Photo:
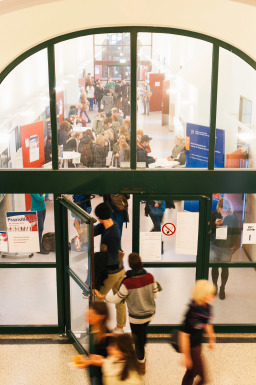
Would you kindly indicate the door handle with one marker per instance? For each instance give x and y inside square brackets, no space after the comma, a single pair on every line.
[85,296]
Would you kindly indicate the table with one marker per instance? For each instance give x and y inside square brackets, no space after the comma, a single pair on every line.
[66,155]
[164,163]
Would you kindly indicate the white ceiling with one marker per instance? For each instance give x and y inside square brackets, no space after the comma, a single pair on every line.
[7,6]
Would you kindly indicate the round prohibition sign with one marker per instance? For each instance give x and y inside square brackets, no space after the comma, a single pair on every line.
[168,229]
[77,243]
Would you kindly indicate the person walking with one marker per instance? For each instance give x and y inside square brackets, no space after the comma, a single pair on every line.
[110,236]
[197,320]
[223,246]
[139,289]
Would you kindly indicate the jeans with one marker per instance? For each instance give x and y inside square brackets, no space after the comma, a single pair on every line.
[157,220]
[91,103]
[41,218]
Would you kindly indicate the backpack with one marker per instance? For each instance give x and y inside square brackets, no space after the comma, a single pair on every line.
[48,242]
[86,155]
[119,201]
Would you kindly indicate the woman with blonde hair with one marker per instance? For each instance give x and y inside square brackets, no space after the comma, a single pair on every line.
[121,150]
[222,247]
[100,151]
[197,320]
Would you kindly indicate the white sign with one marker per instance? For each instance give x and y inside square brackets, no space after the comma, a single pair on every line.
[249,233]
[3,241]
[187,233]
[157,84]
[33,148]
[150,246]
[222,232]
[22,230]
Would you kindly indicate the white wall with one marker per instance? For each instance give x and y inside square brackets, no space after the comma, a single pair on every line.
[236,78]
[229,21]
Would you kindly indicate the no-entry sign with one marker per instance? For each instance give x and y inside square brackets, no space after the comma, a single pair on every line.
[168,229]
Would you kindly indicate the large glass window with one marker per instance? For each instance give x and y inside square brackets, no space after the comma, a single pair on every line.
[27,232]
[28,297]
[24,115]
[169,230]
[233,228]
[93,101]
[236,113]
[174,84]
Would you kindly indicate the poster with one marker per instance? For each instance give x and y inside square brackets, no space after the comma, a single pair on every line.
[150,246]
[33,148]
[22,230]
[197,147]
[187,233]
[249,233]
[3,241]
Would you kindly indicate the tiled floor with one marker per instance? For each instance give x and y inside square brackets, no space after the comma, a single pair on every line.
[46,364]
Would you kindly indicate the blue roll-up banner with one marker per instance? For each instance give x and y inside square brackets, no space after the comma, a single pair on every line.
[197,149]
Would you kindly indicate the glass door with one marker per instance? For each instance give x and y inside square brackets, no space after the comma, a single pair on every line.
[170,238]
[79,271]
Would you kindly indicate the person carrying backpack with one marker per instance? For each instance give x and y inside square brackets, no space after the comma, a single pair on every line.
[86,148]
[118,204]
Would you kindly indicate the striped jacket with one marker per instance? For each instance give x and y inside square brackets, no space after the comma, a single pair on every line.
[139,290]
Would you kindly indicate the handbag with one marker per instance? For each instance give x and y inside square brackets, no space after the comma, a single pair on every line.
[175,340]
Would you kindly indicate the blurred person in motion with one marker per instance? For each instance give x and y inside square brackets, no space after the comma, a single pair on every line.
[139,290]
[120,366]
[197,320]
[96,317]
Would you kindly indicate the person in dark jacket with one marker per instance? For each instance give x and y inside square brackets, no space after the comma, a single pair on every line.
[142,155]
[100,151]
[48,150]
[99,93]
[118,204]
[63,133]
[224,240]
[110,236]
[197,320]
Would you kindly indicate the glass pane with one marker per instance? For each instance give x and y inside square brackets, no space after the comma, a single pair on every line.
[98,52]
[233,228]
[24,118]
[78,308]
[169,230]
[236,119]
[78,235]
[144,38]
[115,38]
[238,306]
[173,111]
[177,286]
[28,297]
[88,129]
[101,39]
[27,225]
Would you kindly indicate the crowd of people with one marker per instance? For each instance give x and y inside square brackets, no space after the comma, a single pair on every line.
[120,357]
